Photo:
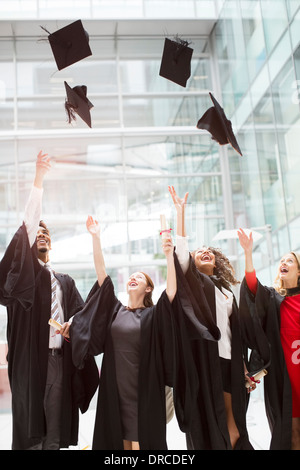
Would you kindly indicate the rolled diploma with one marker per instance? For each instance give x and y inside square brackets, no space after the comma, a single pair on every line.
[54,324]
[163,227]
[258,376]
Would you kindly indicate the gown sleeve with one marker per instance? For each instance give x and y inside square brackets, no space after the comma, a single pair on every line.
[17,268]
[169,347]
[188,321]
[32,214]
[89,326]
[251,281]
[182,253]
[17,273]
[185,377]
[193,300]
[253,311]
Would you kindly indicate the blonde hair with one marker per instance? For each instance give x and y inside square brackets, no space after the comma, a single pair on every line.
[278,285]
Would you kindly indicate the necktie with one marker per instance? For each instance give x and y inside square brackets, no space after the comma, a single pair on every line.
[54,304]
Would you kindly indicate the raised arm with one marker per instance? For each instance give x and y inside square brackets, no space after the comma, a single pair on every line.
[94,229]
[182,250]
[168,249]
[180,204]
[33,206]
[246,243]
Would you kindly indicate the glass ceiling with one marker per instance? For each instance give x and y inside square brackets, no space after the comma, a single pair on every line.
[132,9]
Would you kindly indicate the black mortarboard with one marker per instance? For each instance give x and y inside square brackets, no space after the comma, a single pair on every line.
[176,61]
[69,44]
[215,121]
[77,102]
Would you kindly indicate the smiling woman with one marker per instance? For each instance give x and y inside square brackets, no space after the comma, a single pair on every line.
[212,261]
[270,322]
[204,260]
[140,284]
[288,275]
[137,343]
[210,268]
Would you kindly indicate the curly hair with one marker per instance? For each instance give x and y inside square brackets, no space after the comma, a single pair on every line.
[223,270]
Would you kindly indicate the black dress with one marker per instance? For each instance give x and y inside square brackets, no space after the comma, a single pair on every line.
[126,342]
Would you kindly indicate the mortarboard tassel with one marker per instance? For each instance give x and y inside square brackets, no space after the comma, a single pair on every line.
[71,111]
[181,46]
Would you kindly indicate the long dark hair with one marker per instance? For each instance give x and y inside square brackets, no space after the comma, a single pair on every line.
[223,270]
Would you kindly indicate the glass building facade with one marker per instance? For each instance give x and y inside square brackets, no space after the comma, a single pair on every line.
[257,49]
[144,136]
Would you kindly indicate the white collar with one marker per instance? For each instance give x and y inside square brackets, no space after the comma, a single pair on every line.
[48,264]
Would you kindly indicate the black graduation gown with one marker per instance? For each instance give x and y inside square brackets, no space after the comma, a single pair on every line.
[25,291]
[165,360]
[209,427]
[260,326]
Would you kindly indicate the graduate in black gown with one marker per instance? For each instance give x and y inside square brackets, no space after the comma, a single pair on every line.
[44,416]
[220,411]
[270,324]
[131,411]
[143,353]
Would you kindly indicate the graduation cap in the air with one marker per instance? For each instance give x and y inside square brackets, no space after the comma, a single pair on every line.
[69,44]
[176,61]
[78,103]
[215,121]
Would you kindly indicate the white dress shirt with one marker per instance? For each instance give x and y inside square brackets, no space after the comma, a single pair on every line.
[32,217]
[223,299]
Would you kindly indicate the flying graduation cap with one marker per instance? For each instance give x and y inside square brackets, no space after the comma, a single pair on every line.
[176,61]
[69,44]
[215,121]
[78,103]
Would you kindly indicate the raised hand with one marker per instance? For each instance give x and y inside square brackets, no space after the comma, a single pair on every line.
[179,202]
[42,167]
[93,226]
[246,241]
[94,229]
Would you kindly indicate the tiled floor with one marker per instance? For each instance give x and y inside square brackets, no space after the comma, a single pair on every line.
[257,427]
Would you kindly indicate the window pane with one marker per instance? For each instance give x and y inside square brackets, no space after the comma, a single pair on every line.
[253,36]
[274,21]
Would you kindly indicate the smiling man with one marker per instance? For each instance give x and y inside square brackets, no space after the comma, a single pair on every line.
[43,241]
[47,390]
